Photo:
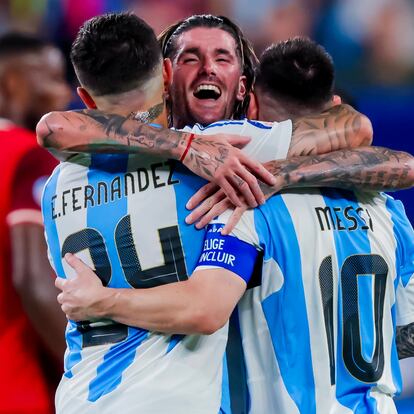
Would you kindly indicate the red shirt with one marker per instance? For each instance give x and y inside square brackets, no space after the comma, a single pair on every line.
[23,387]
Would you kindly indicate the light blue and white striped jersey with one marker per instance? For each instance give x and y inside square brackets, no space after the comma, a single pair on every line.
[124,215]
[318,327]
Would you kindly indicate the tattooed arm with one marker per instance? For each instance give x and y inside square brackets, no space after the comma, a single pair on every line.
[338,128]
[211,157]
[405,341]
[369,168]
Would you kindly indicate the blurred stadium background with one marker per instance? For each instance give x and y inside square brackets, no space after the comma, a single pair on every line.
[371,41]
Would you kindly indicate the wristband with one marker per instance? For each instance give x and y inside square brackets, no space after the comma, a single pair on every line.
[190,140]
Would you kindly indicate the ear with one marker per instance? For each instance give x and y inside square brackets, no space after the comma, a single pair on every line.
[336,100]
[167,73]
[86,98]
[241,93]
[253,109]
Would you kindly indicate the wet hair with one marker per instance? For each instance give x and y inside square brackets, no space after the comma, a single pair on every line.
[297,71]
[15,43]
[115,53]
[244,50]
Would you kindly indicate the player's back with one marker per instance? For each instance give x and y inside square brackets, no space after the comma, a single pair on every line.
[124,216]
[318,332]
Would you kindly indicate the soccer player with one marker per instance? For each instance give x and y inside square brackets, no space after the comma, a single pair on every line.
[318,330]
[124,215]
[32,82]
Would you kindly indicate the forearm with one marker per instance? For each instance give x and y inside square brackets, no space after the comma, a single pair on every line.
[367,168]
[405,341]
[338,128]
[171,308]
[94,131]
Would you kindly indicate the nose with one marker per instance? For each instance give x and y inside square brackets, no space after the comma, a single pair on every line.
[208,67]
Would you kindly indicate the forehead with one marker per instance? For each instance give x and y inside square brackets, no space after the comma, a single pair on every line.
[206,39]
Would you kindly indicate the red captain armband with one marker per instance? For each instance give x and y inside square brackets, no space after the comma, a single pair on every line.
[190,140]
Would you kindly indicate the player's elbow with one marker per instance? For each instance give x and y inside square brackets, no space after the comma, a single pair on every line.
[364,132]
[205,321]
[46,128]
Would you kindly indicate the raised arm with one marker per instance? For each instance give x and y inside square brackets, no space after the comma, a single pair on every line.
[211,157]
[338,128]
[366,168]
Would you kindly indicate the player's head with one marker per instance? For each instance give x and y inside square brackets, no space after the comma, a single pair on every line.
[118,62]
[213,69]
[294,78]
[32,79]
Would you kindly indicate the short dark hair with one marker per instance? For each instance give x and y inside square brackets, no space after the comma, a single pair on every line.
[15,43]
[244,49]
[297,71]
[115,53]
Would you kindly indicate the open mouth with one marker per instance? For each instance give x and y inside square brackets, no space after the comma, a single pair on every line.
[205,91]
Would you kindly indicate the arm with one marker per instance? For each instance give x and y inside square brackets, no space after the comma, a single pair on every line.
[366,168]
[196,305]
[32,274]
[211,157]
[33,281]
[405,341]
[338,128]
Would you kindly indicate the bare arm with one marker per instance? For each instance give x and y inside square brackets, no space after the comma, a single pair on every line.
[405,341]
[33,280]
[338,128]
[211,157]
[367,168]
[196,305]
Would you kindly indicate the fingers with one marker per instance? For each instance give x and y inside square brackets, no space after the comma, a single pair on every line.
[204,192]
[60,283]
[233,220]
[75,263]
[238,141]
[218,209]
[228,189]
[204,207]
[259,170]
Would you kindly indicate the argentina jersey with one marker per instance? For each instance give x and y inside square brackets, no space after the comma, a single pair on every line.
[318,327]
[123,215]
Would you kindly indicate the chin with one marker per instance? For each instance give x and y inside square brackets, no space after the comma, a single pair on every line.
[208,118]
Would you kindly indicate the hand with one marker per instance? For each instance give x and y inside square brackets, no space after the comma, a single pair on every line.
[208,203]
[215,158]
[81,296]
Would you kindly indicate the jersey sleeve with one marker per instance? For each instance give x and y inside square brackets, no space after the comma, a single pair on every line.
[236,252]
[269,141]
[31,175]
[405,266]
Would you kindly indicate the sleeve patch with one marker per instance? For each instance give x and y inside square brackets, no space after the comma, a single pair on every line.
[227,252]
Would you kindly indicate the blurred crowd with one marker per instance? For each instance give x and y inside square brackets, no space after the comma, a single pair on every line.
[371,41]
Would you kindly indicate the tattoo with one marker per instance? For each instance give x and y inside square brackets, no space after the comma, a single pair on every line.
[338,128]
[405,341]
[94,131]
[148,116]
[367,168]
[202,163]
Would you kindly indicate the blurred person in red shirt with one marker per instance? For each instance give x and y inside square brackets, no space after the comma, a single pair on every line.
[32,82]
